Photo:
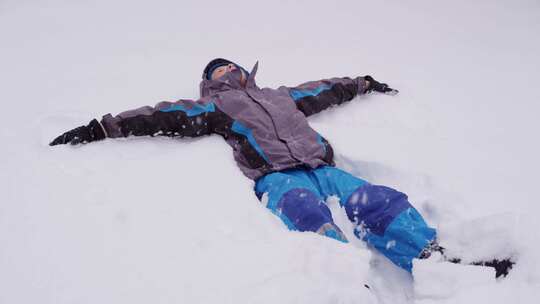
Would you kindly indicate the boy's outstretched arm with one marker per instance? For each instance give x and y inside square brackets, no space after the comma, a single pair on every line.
[315,96]
[180,118]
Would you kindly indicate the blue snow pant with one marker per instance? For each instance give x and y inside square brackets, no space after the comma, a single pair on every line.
[382,216]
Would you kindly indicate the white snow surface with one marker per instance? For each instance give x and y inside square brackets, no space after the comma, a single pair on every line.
[160,220]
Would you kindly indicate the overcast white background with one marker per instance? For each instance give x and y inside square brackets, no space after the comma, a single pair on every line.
[164,220]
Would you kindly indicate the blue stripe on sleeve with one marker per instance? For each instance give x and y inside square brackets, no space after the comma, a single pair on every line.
[297,93]
[195,110]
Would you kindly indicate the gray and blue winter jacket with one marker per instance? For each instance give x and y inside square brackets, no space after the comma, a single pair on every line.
[267,128]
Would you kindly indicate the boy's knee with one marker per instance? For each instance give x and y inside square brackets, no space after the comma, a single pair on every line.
[375,206]
[304,209]
[387,221]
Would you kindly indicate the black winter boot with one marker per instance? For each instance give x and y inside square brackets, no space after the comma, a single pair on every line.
[502,266]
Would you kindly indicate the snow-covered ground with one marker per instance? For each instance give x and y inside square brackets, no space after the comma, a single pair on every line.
[159,220]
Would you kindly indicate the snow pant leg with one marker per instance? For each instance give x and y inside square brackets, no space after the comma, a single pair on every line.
[384,217]
[386,220]
[292,196]
[334,181]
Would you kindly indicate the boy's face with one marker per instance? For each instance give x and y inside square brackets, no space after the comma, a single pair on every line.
[224,69]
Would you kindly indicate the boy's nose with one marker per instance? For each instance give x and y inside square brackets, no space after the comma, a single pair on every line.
[232,67]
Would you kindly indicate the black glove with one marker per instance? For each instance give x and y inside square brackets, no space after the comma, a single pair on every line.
[83,134]
[376,86]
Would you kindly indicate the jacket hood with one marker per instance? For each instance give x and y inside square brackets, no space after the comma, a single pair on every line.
[229,81]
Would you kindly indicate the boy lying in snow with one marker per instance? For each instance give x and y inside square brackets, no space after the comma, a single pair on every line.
[292,165]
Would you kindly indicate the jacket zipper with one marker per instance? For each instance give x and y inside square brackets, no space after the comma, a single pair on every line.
[274,125]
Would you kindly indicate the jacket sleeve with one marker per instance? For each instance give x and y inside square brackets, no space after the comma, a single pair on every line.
[181,118]
[315,96]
